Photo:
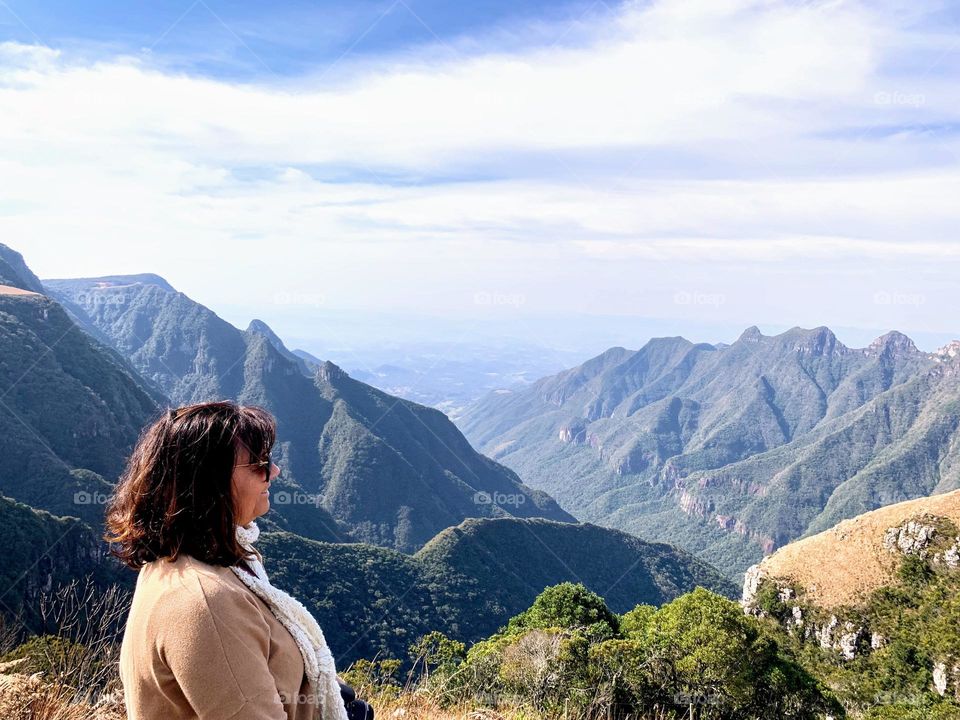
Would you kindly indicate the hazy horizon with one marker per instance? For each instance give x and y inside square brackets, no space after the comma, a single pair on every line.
[306,323]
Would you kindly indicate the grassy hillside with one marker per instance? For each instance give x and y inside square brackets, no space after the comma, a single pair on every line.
[847,563]
[871,607]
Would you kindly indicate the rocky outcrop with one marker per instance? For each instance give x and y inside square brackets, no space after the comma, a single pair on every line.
[751,584]
[911,538]
[921,536]
[949,351]
[574,432]
[951,556]
[946,678]
[329,372]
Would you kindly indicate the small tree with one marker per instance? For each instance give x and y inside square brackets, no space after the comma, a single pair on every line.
[634,623]
[717,662]
[435,652]
[571,606]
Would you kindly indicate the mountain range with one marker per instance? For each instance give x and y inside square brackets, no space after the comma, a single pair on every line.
[388,524]
[357,463]
[391,471]
[733,451]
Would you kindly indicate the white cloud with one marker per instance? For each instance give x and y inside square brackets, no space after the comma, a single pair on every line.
[759,114]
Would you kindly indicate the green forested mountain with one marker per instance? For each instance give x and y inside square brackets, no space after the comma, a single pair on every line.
[470,579]
[733,451]
[42,552]
[389,471]
[516,559]
[189,352]
[70,410]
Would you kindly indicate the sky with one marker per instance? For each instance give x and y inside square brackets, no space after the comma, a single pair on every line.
[553,171]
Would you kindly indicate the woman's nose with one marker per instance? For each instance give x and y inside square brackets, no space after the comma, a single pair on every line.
[274,471]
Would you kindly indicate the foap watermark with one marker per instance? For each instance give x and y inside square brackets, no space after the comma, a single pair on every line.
[898,98]
[485,297]
[84,497]
[285,497]
[299,298]
[895,698]
[884,297]
[500,499]
[704,698]
[101,298]
[687,297]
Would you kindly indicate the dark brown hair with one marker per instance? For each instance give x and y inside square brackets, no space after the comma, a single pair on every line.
[175,496]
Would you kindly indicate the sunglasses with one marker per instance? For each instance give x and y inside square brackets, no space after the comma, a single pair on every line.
[261,465]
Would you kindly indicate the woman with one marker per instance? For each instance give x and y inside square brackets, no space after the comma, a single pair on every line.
[207,635]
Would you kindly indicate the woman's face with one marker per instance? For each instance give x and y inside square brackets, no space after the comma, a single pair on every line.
[251,488]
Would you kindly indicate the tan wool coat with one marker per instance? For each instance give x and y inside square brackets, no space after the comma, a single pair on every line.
[200,645]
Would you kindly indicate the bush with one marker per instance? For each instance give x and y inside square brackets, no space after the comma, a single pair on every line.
[698,654]
[940,711]
[571,606]
[374,678]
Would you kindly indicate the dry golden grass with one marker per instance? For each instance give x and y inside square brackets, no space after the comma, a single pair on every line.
[842,565]
[30,697]
[24,697]
[10,290]
[56,680]
[418,706]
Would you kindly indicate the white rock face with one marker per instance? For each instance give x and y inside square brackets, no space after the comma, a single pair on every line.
[911,538]
[751,583]
[950,350]
[951,556]
[825,634]
[797,616]
[940,677]
[849,641]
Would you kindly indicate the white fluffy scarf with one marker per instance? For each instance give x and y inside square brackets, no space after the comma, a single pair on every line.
[317,658]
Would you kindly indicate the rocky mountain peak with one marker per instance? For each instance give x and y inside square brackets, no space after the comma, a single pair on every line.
[330,372]
[818,341]
[893,342]
[751,335]
[261,328]
[950,351]
[14,271]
